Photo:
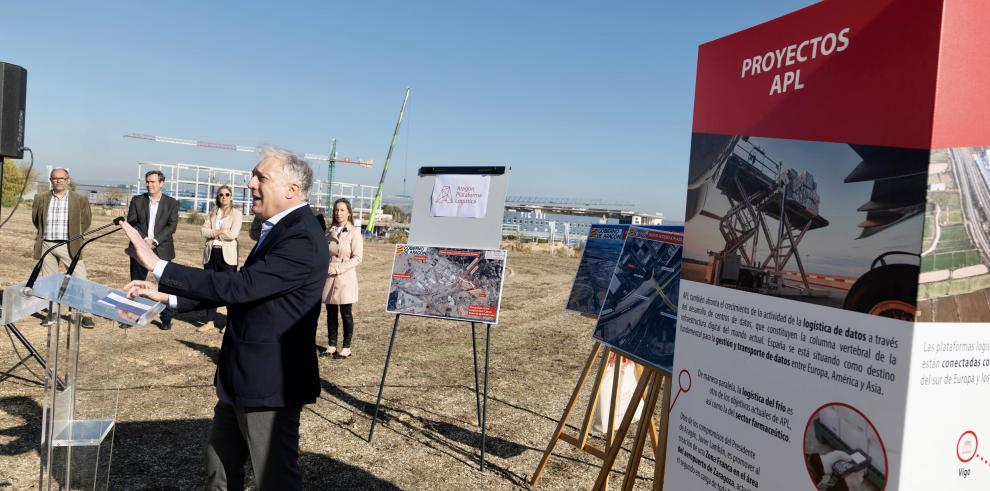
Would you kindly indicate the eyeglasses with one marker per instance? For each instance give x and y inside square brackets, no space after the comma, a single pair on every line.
[224,195]
[58,179]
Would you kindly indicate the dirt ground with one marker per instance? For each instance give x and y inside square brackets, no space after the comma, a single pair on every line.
[428,434]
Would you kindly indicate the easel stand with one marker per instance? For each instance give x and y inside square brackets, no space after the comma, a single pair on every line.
[657,383]
[481,401]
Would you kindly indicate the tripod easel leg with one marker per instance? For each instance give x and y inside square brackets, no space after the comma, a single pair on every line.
[596,388]
[381,387]
[613,449]
[567,414]
[660,455]
[632,468]
[617,360]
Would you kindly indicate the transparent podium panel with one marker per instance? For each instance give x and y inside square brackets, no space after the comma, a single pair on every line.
[82,383]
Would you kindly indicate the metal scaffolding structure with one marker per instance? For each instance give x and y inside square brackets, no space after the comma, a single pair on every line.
[195,186]
[758,190]
[569,202]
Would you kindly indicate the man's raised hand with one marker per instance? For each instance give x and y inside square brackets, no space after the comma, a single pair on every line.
[139,249]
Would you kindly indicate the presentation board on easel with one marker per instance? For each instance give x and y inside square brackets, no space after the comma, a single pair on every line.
[459,207]
[601,252]
[636,321]
[452,267]
[639,314]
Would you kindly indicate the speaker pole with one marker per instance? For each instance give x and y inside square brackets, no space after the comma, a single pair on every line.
[3,165]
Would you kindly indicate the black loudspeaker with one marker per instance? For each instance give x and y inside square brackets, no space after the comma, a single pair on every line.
[13,92]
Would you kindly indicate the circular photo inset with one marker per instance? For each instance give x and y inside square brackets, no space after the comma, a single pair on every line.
[966,446]
[843,450]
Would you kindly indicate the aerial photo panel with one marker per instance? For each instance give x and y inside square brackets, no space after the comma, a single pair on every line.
[833,224]
[601,251]
[954,285]
[448,283]
[639,313]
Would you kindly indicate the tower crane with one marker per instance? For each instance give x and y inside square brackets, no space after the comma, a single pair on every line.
[331,159]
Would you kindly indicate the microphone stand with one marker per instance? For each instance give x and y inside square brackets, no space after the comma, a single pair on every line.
[37,267]
[12,329]
[32,353]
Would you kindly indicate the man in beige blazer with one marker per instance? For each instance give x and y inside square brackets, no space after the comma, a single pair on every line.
[57,215]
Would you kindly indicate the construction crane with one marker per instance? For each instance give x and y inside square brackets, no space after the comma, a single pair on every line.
[331,159]
[388,158]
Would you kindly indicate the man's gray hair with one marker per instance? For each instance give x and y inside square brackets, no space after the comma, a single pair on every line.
[63,169]
[295,167]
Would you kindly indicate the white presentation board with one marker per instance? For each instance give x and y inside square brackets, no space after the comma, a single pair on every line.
[465,232]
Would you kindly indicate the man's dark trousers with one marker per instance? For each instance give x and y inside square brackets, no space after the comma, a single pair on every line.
[267,367]
[270,436]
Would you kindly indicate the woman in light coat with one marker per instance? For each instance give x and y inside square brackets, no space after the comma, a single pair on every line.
[220,230]
[341,289]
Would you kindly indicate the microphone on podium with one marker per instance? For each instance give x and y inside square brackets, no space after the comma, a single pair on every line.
[37,267]
[75,259]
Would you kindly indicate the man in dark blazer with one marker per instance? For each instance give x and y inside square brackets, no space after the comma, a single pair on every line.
[155,215]
[267,368]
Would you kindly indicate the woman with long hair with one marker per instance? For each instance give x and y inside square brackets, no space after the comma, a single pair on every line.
[341,289]
[220,230]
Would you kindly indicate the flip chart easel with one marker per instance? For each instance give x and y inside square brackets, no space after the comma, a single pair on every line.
[482,407]
[653,385]
[456,232]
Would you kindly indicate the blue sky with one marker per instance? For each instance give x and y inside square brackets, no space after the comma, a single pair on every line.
[582,99]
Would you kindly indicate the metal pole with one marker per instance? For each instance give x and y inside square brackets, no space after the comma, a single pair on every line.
[333,164]
[3,163]
[388,158]
[484,409]
[474,350]
[381,387]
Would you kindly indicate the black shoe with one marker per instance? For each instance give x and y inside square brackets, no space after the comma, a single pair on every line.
[88,323]
[166,325]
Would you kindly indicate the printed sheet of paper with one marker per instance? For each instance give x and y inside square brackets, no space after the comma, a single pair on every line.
[459,195]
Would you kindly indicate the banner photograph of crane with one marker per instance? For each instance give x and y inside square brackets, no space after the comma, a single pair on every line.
[832,224]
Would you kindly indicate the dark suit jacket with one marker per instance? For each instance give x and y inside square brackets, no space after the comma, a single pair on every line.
[268,356]
[80,217]
[166,221]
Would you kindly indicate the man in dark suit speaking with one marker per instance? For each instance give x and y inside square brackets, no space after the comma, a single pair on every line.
[267,369]
[155,215]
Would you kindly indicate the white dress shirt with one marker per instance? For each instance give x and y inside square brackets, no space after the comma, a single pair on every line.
[152,214]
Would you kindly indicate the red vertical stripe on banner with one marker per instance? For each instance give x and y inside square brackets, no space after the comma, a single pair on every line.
[962,104]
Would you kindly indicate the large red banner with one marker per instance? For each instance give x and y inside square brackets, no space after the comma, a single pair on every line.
[902,73]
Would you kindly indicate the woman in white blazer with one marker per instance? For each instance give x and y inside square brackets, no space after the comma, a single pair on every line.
[220,230]
[341,289]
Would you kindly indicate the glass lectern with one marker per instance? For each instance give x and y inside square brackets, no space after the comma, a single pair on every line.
[80,404]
